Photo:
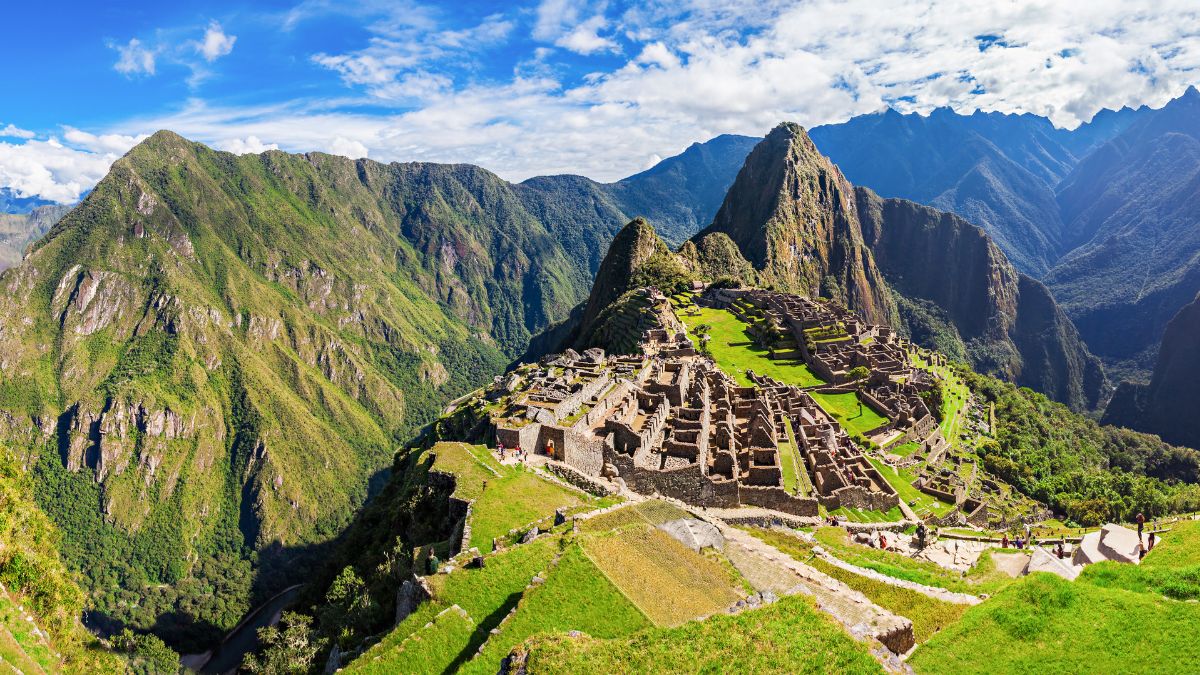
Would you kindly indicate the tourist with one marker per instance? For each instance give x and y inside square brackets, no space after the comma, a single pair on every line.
[1141,521]
[1150,539]
[1004,541]
[882,541]
[1058,550]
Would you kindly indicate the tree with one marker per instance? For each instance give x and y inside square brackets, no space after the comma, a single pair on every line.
[148,654]
[349,611]
[290,651]
[859,373]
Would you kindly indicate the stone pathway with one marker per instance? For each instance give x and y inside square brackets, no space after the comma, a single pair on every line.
[769,569]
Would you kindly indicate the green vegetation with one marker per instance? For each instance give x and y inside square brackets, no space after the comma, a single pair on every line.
[789,636]
[902,480]
[576,596]
[505,497]
[732,349]
[488,593]
[1090,473]
[856,417]
[1172,569]
[667,581]
[927,614]
[1042,623]
[867,515]
[33,577]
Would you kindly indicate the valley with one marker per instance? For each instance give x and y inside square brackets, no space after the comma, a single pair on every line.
[228,375]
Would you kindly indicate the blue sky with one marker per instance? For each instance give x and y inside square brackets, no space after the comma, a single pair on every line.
[547,86]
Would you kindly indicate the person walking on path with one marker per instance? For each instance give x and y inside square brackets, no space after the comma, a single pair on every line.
[1004,541]
[1141,521]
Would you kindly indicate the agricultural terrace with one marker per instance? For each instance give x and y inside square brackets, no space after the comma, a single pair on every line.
[506,496]
[789,636]
[733,350]
[927,614]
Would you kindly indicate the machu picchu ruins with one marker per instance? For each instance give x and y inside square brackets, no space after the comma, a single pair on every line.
[668,421]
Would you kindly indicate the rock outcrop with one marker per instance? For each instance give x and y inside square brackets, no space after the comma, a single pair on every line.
[1167,404]
[1008,322]
[793,216]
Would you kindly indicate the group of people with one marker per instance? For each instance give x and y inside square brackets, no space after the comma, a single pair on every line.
[517,452]
[1143,548]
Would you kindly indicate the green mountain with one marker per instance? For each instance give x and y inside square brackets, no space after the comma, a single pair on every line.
[792,215]
[1166,404]
[209,359]
[40,602]
[803,227]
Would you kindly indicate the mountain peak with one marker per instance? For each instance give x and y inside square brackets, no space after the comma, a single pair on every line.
[791,214]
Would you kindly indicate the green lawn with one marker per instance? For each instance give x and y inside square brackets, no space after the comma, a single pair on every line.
[505,496]
[927,614]
[1044,624]
[901,480]
[732,350]
[868,515]
[904,449]
[845,409]
[576,596]
[789,636]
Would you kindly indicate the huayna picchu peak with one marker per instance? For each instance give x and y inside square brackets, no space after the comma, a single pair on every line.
[941,280]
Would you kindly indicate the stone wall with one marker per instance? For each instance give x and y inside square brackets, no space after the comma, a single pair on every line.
[778,499]
[584,452]
[574,477]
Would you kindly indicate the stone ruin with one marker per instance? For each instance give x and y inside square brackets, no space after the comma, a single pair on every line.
[667,421]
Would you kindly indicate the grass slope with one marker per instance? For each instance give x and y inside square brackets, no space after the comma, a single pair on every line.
[733,351]
[576,596]
[846,410]
[1042,623]
[506,496]
[790,636]
[666,580]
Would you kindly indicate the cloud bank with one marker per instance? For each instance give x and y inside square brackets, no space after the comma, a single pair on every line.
[599,88]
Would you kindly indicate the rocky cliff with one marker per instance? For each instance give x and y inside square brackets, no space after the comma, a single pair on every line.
[1008,323]
[1167,404]
[793,216]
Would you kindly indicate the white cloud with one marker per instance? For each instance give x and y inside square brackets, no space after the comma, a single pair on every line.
[12,131]
[585,38]
[700,70]
[51,170]
[134,58]
[215,43]
[346,148]
[250,145]
[117,144]
[574,25]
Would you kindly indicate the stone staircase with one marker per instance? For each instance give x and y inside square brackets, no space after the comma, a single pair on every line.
[769,569]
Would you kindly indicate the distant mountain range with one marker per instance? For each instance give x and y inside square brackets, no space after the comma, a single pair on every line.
[10,202]
[19,230]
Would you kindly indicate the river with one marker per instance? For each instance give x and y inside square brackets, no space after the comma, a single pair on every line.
[243,639]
